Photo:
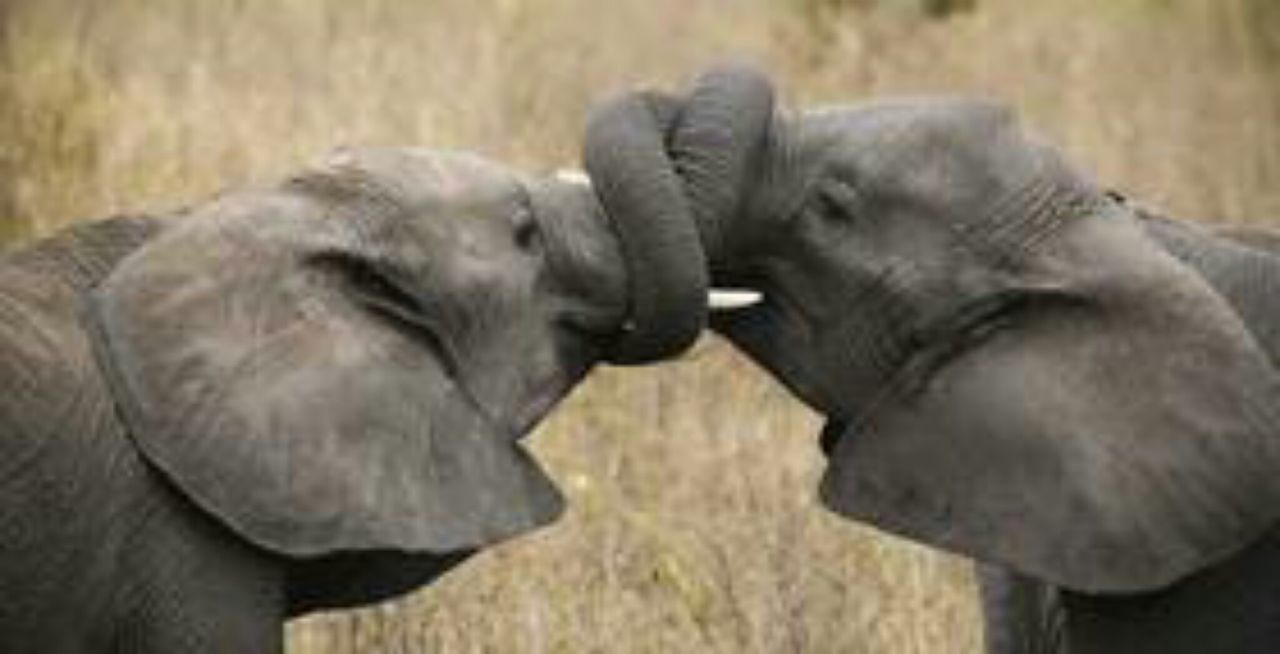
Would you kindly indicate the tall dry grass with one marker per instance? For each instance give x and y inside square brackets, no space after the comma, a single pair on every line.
[693,525]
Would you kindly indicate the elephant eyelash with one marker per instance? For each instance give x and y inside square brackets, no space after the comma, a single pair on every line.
[379,293]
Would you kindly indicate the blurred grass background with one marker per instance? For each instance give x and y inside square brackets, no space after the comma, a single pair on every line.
[693,525]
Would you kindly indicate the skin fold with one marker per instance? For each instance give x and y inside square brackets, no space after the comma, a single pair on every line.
[1015,364]
[298,397]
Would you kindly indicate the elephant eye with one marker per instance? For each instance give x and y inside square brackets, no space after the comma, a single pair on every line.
[838,200]
[527,234]
[526,231]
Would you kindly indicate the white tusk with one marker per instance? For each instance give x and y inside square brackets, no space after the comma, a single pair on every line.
[724,299]
[573,176]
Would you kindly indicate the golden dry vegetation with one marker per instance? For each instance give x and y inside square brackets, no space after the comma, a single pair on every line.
[693,525]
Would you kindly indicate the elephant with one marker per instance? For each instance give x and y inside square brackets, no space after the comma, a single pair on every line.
[302,396]
[1014,364]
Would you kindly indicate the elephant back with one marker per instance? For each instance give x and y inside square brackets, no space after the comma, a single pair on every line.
[79,257]
[72,482]
[45,359]
[1242,265]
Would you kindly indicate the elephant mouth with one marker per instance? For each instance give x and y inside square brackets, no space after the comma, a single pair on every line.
[832,433]
[528,419]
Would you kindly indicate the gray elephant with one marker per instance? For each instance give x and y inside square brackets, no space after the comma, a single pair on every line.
[301,397]
[1014,365]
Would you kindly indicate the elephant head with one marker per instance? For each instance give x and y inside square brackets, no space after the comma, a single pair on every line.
[342,364]
[1011,368]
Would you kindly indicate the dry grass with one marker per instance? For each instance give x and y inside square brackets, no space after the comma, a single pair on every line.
[693,526]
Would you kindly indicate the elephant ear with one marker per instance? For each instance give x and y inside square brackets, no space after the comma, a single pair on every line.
[1116,432]
[1237,262]
[254,368]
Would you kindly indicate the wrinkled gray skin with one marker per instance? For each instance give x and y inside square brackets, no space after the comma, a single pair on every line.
[1013,368]
[1232,607]
[293,398]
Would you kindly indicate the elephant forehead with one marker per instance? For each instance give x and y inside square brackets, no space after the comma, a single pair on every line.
[925,148]
[931,118]
[413,178]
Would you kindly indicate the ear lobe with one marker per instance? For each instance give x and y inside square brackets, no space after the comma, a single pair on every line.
[307,423]
[1117,446]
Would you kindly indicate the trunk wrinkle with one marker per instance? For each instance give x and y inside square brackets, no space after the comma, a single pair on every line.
[672,174]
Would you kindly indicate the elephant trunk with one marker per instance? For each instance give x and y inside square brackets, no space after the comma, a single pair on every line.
[667,270]
[671,174]
[720,148]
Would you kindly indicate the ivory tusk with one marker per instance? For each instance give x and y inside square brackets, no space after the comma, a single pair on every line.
[573,176]
[724,299]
